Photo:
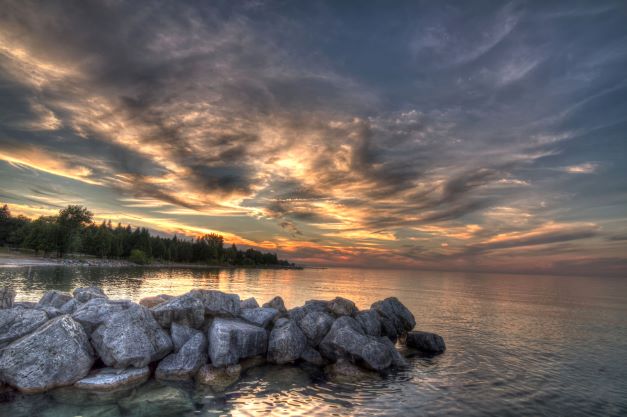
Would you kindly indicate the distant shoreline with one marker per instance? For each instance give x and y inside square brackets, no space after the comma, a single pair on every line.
[21,260]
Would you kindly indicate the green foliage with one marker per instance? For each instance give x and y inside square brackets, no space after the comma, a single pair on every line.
[139,257]
[73,230]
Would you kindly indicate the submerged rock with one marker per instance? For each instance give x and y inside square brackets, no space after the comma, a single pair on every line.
[287,343]
[18,321]
[157,400]
[312,356]
[396,319]
[56,354]
[180,334]
[109,379]
[54,299]
[342,307]
[63,410]
[261,316]
[7,297]
[82,295]
[218,303]
[248,303]
[218,379]
[231,340]
[276,303]
[131,337]
[426,342]
[185,363]
[344,371]
[185,310]
[98,310]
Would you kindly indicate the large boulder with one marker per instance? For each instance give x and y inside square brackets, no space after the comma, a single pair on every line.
[231,340]
[54,299]
[315,326]
[218,379]
[185,310]
[17,321]
[181,334]
[249,303]
[276,303]
[56,354]
[82,295]
[98,310]
[342,307]
[396,319]
[155,300]
[7,297]
[370,322]
[218,303]
[426,342]
[346,339]
[131,337]
[287,342]
[261,316]
[185,363]
[109,379]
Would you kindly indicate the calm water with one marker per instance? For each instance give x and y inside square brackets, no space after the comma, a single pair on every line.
[517,345]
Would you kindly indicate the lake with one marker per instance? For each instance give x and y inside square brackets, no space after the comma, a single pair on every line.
[516,345]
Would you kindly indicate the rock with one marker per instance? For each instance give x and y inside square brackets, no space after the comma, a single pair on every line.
[98,310]
[157,400]
[56,354]
[218,303]
[181,334]
[253,362]
[296,314]
[248,303]
[218,379]
[261,316]
[287,343]
[7,297]
[276,303]
[370,322]
[25,304]
[70,307]
[344,371]
[185,310]
[82,295]
[131,337]
[231,340]
[105,410]
[17,322]
[312,356]
[51,312]
[398,360]
[315,326]
[185,363]
[109,379]
[54,299]
[347,339]
[342,307]
[396,319]
[426,342]
[317,305]
[154,301]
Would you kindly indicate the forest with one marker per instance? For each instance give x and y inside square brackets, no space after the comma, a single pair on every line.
[73,231]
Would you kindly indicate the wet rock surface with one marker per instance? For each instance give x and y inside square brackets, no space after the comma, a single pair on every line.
[109,379]
[425,342]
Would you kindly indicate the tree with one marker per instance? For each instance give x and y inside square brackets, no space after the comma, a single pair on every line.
[71,221]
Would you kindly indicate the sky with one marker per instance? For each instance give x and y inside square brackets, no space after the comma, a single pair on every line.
[469,135]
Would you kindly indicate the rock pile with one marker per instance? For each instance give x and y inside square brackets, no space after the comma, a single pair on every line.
[92,342]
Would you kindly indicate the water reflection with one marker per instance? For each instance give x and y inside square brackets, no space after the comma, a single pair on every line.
[517,345]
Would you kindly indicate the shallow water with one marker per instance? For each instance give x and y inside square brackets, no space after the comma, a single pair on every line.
[516,345]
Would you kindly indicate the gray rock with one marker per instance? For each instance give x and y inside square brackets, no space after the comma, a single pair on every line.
[396,319]
[82,295]
[317,305]
[131,337]
[218,379]
[344,371]
[185,310]
[287,343]
[231,340]
[296,314]
[70,307]
[7,297]
[157,400]
[98,310]
[185,363]
[426,342]
[342,307]
[25,304]
[218,303]
[109,379]
[261,316]
[312,356]
[346,339]
[276,303]
[249,303]
[315,326]
[181,334]
[56,354]
[370,322]
[17,321]
[51,312]
[155,300]
[398,360]
[54,299]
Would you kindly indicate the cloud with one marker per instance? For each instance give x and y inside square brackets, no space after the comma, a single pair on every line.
[585,168]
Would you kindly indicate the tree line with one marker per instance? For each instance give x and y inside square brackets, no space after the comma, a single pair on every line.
[74,231]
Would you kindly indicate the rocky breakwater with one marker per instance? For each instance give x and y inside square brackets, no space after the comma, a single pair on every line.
[91,342]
